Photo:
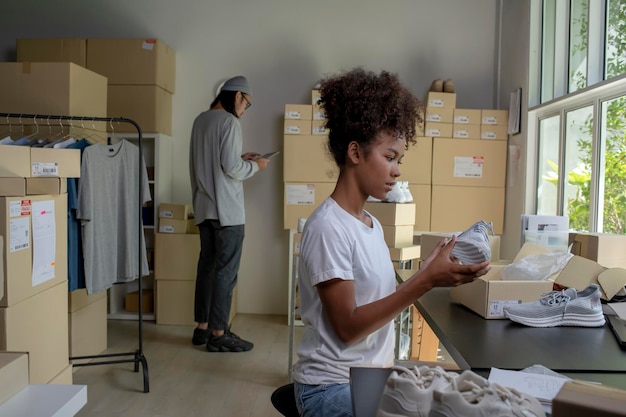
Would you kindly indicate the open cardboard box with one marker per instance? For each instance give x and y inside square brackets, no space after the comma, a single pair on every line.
[583,399]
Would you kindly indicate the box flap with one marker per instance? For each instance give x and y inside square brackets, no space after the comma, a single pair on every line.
[530,249]
[612,281]
[579,273]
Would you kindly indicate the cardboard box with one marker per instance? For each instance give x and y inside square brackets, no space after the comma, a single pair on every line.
[14,161]
[467,116]
[318,112]
[12,187]
[176,256]
[607,249]
[133,62]
[298,111]
[580,272]
[79,299]
[438,129]
[149,106]
[52,50]
[131,301]
[52,88]
[494,132]
[392,214]
[471,162]
[307,159]
[316,95]
[44,315]
[50,162]
[465,131]
[494,117]
[479,203]
[175,302]
[318,127]
[585,399]
[16,226]
[13,374]
[45,186]
[435,99]
[65,377]
[302,198]
[177,226]
[398,236]
[439,114]
[88,328]
[298,127]
[489,294]
[175,211]
[405,253]
[417,162]
[422,200]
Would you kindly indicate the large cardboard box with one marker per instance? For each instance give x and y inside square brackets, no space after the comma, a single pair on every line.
[417,162]
[489,294]
[133,62]
[58,88]
[79,299]
[175,302]
[150,106]
[65,377]
[16,225]
[88,328]
[607,249]
[471,162]
[436,99]
[586,399]
[14,161]
[478,203]
[392,214]
[52,50]
[13,374]
[302,198]
[38,325]
[49,162]
[306,158]
[422,199]
[176,256]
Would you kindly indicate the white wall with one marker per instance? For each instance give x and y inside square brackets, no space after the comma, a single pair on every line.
[283,47]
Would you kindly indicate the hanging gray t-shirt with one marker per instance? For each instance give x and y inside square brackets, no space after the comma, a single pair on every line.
[108,208]
[216,169]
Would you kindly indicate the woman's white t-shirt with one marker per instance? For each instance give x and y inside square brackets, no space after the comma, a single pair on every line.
[337,245]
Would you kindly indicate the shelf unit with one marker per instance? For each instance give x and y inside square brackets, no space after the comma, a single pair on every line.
[157,154]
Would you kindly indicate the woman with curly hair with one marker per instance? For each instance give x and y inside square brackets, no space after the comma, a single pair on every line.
[348,296]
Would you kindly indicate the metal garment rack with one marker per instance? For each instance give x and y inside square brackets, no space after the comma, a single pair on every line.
[137,356]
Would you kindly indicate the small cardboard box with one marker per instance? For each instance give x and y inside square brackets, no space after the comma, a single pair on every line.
[585,399]
[15,161]
[436,99]
[316,95]
[176,226]
[298,111]
[489,294]
[465,131]
[439,114]
[318,127]
[607,249]
[12,187]
[131,301]
[46,186]
[392,214]
[175,211]
[494,117]
[436,129]
[405,253]
[398,236]
[318,112]
[298,127]
[494,132]
[467,116]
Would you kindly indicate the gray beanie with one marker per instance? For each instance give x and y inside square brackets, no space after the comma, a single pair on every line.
[238,83]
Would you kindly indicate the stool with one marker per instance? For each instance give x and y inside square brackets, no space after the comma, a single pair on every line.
[284,400]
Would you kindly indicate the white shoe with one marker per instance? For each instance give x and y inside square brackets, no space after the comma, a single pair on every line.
[472,246]
[301,223]
[407,193]
[396,195]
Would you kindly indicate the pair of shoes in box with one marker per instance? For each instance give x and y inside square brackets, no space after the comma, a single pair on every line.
[439,86]
[431,391]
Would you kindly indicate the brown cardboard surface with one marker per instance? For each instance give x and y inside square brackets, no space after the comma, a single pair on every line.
[174,302]
[45,316]
[46,186]
[585,399]
[612,281]
[421,199]
[392,214]
[50,162]
[175,211]
[131,301]
[298,111]
[176,226]
[437,129]
[133,62]
[52,88]
[494,117]
[65,377]
[607,249]
[13,374]
[494,132]
[417,162]
[14,161]
[396,236]
[88,329]
[405,253]
[176,256]
[298,127]
[52,50]
[306,158]
[300,199]
[79,298]
[579,273]
[435,99]
[439,114]
[469,162]
[12,187]
[465,131]
[150,106]
[467,116]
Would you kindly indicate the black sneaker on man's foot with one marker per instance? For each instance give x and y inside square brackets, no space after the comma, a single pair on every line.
[200,336]
[228,342]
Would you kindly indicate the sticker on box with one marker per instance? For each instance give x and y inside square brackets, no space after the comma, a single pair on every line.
[468,166]
[301,194]
[496,307]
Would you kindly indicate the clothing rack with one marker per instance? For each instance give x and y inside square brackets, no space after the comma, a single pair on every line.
[137,356]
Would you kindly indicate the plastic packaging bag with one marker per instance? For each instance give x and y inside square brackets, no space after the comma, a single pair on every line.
[536,267]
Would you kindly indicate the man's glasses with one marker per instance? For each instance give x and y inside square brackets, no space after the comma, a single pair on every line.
[248,104]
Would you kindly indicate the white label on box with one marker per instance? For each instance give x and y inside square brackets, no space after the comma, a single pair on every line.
[19,234]
[468,166]
[461,133]
[44,242]
[166,228]
[433,132]
[433,118]
[319,115]
[166,214]
[461,119]
[496,307]
[301,194]
[488,135]
[20,208]
[296,248]
[490,120]
[319,130]
[148,44]
[292,114]
[45,169]
[292,129]
[435,102]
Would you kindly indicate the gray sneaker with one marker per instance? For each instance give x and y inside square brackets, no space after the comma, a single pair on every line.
[472,246]
[561,308]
